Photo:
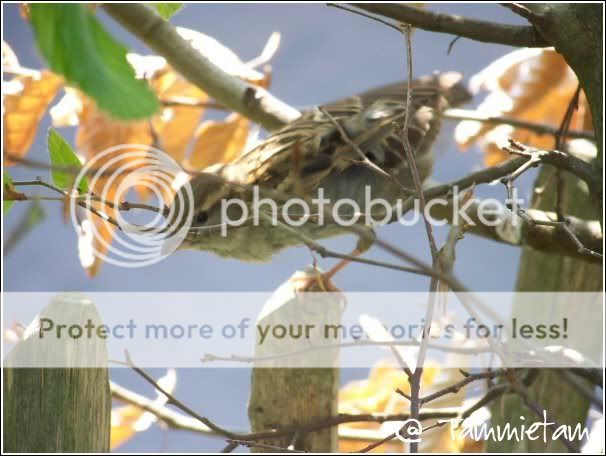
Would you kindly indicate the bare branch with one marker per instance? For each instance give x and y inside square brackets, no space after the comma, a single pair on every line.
[252,102]
[410,156]
[484,31]
[535,127]
[172,419]
[263,446]
[456,387]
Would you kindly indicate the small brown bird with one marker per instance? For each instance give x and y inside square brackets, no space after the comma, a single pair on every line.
[311,157]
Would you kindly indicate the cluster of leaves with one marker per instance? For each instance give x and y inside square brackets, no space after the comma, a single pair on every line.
[127,420]
[377,394]
[116,98]
[534,85]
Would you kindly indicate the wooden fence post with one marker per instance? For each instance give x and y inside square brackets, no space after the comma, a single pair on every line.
[58,404]
[286,393]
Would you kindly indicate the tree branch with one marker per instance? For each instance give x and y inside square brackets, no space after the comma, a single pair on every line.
[252,102]
[487,32]
[523,232]
[538,128]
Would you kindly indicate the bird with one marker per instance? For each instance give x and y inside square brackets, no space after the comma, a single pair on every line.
[339,150]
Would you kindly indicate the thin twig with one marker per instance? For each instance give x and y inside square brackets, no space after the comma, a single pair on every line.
[484,31]
[209,357]
[188,102]
[263,446]
[456,387]
[177,403]
[535,158]
[365,161]
[403,133]
[252,102]
[535,127]
[519,387]
[360,13]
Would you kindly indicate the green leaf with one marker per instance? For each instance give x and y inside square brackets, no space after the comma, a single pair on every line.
[32,218]
[35,215]
[167,10]
[75,45]
[62,154]
[7,181]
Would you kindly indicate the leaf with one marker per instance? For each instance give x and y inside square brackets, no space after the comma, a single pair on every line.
[167,10]
[129,419]
[270,49]
[76,45]
[9,58]
[219,141]
[176,124]
[220,55]
[25,101]
[34,215]
[533,85]
[171,129]
[376,395]
[62,154]
[7,184]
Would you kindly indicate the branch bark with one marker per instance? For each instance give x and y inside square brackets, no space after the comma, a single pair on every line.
[576,32]
[487,32]
[252,102]
[541,238]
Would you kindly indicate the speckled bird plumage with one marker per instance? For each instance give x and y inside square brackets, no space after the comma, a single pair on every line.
[310,153]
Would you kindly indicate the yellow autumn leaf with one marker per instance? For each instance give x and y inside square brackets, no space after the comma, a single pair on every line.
[9,58]
[123,421]
[219,141]
[175,124]
[172,130]
[25,99]
[376,394]
[127,420]
[533,85]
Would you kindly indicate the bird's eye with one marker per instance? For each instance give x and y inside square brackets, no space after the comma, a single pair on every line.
[202,217]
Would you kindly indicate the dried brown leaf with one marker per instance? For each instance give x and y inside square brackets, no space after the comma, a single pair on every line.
[25,101]
[219,141]
[533,85]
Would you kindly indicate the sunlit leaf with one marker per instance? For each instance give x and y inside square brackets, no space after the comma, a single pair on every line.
[271,47]
[33,217]
[62,154]
[219,141]
[167,10]
[25,99]
[7,183]
[376,394]
[220,55]
[9,58]
[176,124]
[172,130]
[533,85]
[128,420]
[76,45]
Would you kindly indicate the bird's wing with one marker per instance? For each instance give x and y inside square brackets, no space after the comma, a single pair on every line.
[305,151]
